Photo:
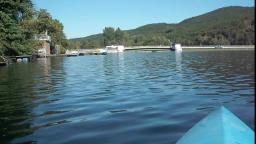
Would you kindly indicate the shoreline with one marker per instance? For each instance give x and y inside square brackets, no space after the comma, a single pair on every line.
[162,48]
[193,47]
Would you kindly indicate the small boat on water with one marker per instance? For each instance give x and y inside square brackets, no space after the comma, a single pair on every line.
[176,47]
[218,47]
[115,49]
[219,127]
[102,51]
[72,53]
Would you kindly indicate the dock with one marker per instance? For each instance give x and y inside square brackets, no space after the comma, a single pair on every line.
[223,47]
[28,58]
[90,52]
[147,48]
[82,52]
[190,47]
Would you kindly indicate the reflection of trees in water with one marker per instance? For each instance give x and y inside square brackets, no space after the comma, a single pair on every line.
[114,64]
[16,96]
[20,85]
[49,73]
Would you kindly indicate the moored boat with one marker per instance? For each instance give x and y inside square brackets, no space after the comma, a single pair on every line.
[102,51]
[219,127]
[72,53]
[176,47]
[115,49]
[218,47]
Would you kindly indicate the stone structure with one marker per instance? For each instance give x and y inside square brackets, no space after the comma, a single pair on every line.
[44,50]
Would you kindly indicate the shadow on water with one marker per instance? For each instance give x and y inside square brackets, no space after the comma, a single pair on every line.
[19,95]
[15,102]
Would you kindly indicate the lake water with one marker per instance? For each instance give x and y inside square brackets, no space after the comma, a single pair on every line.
[130,98]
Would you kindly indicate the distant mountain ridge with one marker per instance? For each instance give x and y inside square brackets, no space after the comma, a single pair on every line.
[234,25]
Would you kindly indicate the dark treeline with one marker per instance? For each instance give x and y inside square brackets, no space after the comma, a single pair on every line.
[20,22]
[226,26]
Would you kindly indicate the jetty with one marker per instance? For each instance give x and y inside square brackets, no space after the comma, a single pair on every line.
[99,51]
[147,48]
[222,47]
[91,52]
[27,58]
[160,47]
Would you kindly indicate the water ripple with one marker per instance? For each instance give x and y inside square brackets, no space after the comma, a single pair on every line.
[134,97]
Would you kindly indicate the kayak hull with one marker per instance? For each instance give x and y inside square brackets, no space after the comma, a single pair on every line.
[219,127]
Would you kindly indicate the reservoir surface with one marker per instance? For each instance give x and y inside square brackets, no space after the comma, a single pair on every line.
[133,97]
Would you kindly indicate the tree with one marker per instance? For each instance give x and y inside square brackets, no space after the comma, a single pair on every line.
[45,22]
[13,37]
[109,36]
[119,36]
[113,37]
[17,10]
[20,22]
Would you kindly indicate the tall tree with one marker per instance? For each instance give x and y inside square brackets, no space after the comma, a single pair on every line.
[119,36]
[20,22]
[13,36]
[45,22]
[109,36]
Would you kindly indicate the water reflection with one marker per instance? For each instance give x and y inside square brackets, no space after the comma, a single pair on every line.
[178,59]
[140,97]
[121,67]
[23,87]
[226,78]
[16,95]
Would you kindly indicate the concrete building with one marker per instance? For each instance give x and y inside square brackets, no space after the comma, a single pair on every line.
[45,40]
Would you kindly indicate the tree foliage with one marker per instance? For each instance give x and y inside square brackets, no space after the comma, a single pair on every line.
[45,22]
[113,36]
[109,36]
[13,34]
[19,24]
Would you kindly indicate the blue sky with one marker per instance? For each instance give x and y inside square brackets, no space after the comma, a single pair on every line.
[86,17]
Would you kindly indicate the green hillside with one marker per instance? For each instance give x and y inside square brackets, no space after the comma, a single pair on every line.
[227,26]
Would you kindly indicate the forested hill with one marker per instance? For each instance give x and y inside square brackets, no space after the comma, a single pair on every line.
[226,26]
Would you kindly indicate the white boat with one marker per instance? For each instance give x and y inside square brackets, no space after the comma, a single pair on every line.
[72,53]
[218,47]
[103,51]
[176,47]
[115,49]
